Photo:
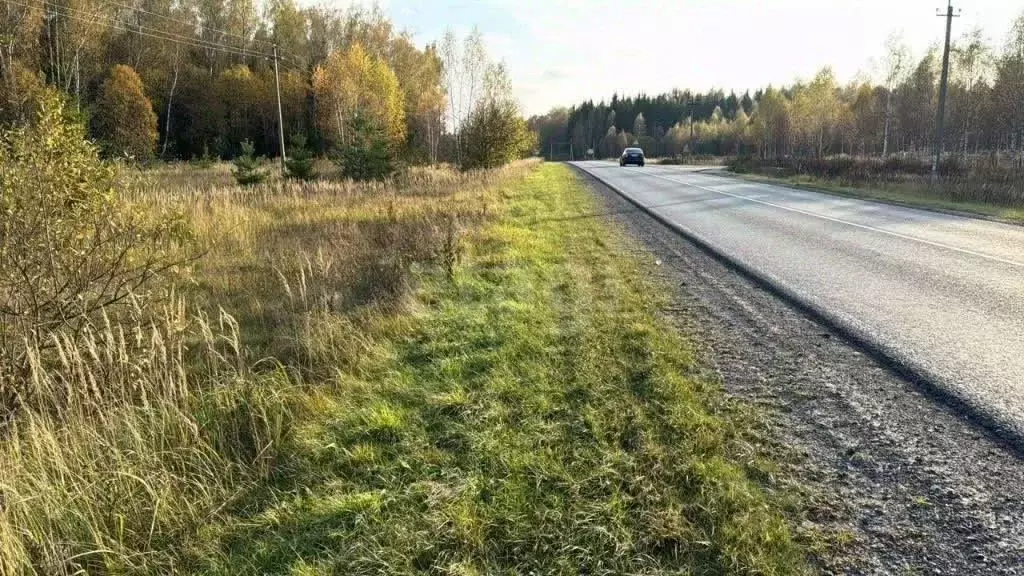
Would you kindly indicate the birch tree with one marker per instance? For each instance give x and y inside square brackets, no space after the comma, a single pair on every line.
[894,66]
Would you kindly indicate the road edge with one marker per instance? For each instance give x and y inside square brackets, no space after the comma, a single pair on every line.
[759,179]
[1003,427]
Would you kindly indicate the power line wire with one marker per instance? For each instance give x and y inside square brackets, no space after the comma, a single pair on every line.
[281,53]
[190,40]
[95,18]
[289,67]
[168,36]
[184,23]
[193,40]
[163,35]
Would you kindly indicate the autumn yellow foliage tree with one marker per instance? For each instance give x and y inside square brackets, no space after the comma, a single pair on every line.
[771,126]
[817,112]
[238,93]
[419,73]
[21,90]
[123,118]
[352,84]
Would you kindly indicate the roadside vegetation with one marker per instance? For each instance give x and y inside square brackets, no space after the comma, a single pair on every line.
[414,351]
[891,115]
[869,138]
[444,370]
[976,188]
[693,160]
[525,410]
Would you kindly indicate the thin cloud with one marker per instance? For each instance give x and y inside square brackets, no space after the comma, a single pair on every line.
[551,75]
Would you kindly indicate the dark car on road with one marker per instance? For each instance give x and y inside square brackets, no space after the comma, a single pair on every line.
[632,156]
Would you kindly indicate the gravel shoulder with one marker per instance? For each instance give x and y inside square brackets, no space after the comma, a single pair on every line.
[910,484]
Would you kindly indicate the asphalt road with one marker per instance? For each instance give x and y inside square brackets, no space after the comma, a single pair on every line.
[941,296]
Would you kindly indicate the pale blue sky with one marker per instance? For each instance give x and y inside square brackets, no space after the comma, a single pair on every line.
[562,52]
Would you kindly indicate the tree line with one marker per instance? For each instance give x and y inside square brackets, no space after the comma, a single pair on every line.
[820,117]
[196,78]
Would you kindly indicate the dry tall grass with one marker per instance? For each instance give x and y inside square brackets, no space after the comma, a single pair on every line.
[989,179]
[138,431]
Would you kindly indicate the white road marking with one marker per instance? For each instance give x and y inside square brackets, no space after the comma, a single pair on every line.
[847,222]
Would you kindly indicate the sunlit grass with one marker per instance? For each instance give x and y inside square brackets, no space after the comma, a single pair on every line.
[536,416]
[134,436]
[446,373]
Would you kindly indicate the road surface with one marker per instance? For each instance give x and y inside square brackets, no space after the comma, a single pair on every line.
[939,295]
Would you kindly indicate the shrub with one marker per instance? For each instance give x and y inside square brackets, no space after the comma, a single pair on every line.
[124,120]
[742,164]
[205,161]
[372,161]
[697,159]
[20,91]
[69,248]
[300,162]
[495,135]
[247,170]
[370,156]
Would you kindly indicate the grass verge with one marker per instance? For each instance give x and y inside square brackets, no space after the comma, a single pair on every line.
[900,195]
[445,373]
[533,414]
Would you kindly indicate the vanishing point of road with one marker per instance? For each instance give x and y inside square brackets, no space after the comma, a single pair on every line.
[940,296]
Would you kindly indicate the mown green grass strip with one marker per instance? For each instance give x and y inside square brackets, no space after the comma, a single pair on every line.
[539,418]
[905,196]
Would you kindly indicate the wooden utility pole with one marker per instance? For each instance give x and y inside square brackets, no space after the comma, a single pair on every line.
[280,117]
[943,85]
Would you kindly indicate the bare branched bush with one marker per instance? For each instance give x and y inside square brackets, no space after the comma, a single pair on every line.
[127,421]
[143,423]
[70,248]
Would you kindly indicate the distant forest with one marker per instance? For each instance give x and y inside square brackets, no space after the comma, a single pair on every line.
[819,117]
[198,77]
